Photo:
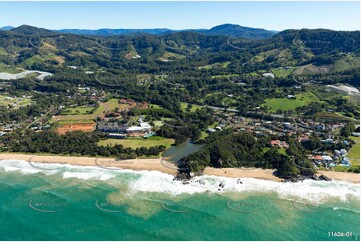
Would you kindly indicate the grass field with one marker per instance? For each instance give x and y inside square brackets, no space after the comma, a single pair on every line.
[138,142]
[158,123]
[36,59]
[193,109]
[354,152]
[76,111]
[225,76]
[345,63]
[353,155]
[285,104]
[203,135]
[79,118]
[281,73]
[11,70]
[307,69]
[280,150]
[169,56]
[155,106]
[215,65]
[18,101]
[113,103]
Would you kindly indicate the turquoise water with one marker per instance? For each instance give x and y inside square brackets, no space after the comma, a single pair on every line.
[80,203]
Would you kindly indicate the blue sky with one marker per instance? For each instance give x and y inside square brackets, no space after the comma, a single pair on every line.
[182,15]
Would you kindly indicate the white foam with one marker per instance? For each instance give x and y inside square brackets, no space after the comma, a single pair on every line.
[88,175]
[155,181]
[308,190]
[23,167]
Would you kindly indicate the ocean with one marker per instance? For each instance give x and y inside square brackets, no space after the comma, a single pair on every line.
[64,202]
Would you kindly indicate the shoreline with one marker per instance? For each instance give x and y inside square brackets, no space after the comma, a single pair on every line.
[158,164]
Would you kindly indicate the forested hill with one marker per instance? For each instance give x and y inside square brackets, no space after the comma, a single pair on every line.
[233,30]
[335,52]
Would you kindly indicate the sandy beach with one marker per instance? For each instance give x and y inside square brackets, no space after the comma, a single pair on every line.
[158,164]
[265,174]
[341,176]
[134,164]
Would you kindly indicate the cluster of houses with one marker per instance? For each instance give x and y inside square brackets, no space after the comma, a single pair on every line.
[6,128]
[280,144]
[303,129]
[132,104]
[339,157]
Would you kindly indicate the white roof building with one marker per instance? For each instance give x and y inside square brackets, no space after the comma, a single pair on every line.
[268,75]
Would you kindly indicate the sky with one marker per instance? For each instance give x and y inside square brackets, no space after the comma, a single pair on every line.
[182,15]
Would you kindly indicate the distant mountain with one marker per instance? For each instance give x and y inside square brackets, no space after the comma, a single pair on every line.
[235,30]
[108,32]
[232,30]
[30,30]
[6,28]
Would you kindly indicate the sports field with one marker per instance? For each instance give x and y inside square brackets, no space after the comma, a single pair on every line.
[86,127]
[138,142]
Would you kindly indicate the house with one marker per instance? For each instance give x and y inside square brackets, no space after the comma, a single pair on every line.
[112,127]
[327,159]
[345,161]
[145,126]
[343,152]
[210,130]
[117,136]
[318,158]
[327,141]
[278,143]
[150,134]
[271,75]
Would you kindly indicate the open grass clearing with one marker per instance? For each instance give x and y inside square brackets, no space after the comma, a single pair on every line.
[285,104]
[138,142]
[77,111]
[282,72]
[14,101]
[194,107]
